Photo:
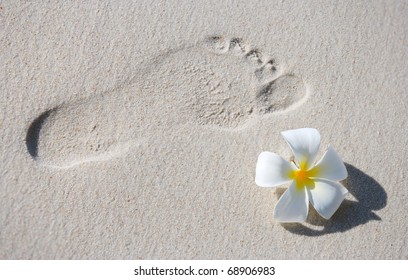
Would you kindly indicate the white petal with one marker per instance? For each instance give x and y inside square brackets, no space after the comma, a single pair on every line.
[304,143]
[293,206]
[330,167]
[326,197]
[272,170]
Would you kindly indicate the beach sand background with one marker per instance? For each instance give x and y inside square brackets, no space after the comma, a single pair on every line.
[131,130]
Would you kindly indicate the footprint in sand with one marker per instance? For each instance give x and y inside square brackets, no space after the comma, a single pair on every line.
[219,83]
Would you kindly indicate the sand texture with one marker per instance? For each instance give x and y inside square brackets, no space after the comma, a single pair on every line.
[131,129]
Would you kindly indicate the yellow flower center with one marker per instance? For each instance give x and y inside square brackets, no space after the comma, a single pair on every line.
[302,176]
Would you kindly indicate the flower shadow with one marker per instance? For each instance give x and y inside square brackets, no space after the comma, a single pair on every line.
[370,196]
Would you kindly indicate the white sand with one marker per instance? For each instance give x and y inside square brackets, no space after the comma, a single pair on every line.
[132,130]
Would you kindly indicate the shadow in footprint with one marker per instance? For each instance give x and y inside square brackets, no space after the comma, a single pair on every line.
[33,134]
[370,196]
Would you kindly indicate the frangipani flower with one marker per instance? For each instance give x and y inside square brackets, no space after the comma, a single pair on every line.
[308,182]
